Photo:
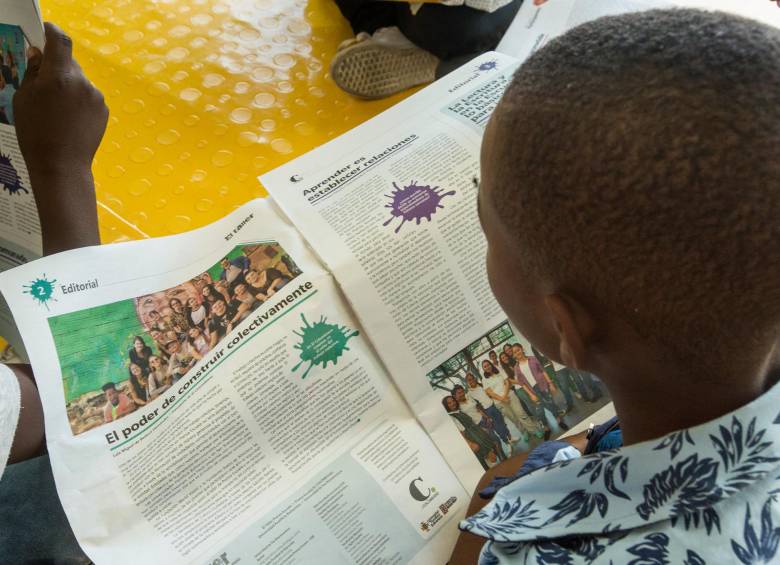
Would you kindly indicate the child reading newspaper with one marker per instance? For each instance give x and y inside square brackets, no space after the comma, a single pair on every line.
[611,258]
[629,196]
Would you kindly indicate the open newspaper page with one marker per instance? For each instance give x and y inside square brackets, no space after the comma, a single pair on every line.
[209,397]
[390,207]
[20,232]
[538,22]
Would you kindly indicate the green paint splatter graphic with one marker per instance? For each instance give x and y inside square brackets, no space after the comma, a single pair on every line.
[41,290]
[322,343]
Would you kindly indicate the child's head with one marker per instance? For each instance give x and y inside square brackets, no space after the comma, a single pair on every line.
[630,193]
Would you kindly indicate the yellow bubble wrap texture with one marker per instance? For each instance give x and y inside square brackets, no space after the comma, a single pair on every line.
[204,96]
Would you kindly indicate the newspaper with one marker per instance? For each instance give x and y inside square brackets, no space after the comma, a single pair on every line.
[541,20]
[307,379]
[264,390]
[20,233]
[213,395]
[390,208]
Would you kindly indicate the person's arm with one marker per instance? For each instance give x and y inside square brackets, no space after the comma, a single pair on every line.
[60,120]
[507,390]
[29,438]
[493,395]
[468,546]
[539,373]
[531,394]
[135,398]
[173,367]
[151,387]
[196,356]
[474,446]
[221,286]
[243,307]
[273,287]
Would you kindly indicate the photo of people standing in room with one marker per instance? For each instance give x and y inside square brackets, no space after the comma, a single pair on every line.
[505,398]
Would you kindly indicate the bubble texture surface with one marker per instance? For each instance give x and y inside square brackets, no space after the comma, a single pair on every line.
[204,96]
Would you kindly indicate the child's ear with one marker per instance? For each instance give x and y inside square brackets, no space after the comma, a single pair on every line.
[574,327]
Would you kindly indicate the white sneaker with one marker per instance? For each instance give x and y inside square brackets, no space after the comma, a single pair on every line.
[379,65]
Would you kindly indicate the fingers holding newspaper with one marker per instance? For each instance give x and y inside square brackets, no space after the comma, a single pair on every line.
[60,120]
[61,116]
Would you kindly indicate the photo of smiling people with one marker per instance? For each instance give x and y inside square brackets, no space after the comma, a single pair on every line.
[118,357]
[505,398]
[13,63]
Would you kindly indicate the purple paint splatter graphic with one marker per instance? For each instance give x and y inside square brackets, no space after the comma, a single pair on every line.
[488,66]
[9,178]
[414,202]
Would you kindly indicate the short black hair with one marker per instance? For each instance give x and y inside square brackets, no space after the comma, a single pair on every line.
[108,386]
[636,165]
[444,402]
[457,387]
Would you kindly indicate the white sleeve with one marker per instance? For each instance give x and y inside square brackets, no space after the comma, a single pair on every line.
[566,453]
[10,403]
[151,385]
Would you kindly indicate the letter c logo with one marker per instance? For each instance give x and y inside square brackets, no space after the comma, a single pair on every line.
[416,493]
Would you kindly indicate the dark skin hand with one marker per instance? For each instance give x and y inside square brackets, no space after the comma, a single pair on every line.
[60,120]
[466,551]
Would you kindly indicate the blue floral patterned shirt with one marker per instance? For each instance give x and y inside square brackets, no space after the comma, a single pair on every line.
[708,494]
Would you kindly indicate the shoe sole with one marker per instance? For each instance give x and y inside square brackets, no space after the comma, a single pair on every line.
[374,71]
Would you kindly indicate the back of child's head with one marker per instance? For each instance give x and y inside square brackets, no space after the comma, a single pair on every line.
[636,162]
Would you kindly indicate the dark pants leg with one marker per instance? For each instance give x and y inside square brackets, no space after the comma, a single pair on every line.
[579,383]
[594,384]
[33,526]
[455,34]
[368,16]
[562,381]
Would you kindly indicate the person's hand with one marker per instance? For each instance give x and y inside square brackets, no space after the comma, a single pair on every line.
[578,441]
[60,115]
[60,119]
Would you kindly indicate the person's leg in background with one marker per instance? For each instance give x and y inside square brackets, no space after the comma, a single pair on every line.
[33,526]
[562,382]
[456,34]
[367,15]
[594,384]
[395,49]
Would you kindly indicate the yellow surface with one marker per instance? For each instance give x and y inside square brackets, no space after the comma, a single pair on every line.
[204,96]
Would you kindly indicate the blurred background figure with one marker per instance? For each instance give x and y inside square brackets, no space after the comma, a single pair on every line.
[398,45]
